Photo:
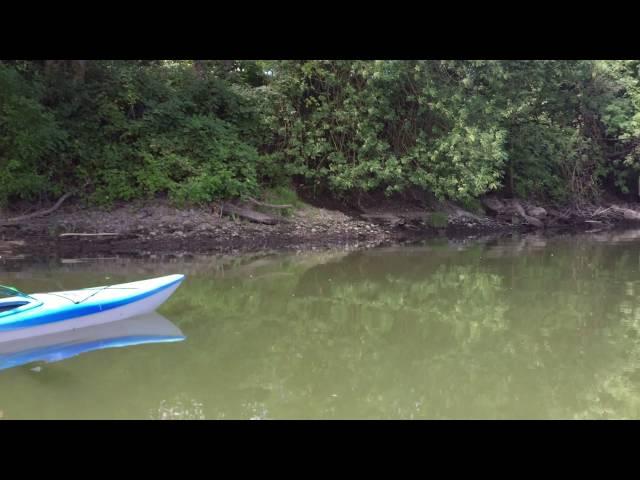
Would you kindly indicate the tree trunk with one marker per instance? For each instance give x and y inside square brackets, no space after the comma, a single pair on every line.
[79,70]
[50,67]
[199,67]
[77,67]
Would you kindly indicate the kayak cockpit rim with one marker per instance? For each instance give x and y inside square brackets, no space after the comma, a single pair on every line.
[14,301]
[7,291]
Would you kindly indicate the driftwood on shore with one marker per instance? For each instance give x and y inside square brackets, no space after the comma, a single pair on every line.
[248,214]
[89,234]
[9,245]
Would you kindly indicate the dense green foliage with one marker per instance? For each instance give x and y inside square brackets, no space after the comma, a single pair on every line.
[129,130]
[200,131]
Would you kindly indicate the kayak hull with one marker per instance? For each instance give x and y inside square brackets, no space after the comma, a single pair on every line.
[59,311]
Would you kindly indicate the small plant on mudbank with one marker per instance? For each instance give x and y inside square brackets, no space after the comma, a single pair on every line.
[438,220]
[473,205]
[282,195]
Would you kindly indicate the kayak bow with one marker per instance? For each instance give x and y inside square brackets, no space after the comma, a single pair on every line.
[23,315]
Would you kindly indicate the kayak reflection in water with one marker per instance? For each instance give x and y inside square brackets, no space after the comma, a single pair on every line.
[54,347]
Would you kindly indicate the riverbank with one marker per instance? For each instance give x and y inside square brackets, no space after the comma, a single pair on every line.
[146,228]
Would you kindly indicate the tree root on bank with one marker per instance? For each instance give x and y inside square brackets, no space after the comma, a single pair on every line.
[40,213]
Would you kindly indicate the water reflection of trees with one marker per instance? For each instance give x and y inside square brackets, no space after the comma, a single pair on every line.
[422,334]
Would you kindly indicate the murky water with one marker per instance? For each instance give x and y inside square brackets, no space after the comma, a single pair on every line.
[516,328]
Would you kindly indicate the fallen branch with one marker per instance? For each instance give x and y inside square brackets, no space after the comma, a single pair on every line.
[600,211]
[268,205]
[40,213]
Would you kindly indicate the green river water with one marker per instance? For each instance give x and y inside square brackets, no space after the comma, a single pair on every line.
[524,327]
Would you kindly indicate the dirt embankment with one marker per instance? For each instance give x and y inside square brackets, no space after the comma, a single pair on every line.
[157,227]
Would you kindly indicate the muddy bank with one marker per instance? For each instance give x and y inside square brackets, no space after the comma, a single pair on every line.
[146,228]
[141,229]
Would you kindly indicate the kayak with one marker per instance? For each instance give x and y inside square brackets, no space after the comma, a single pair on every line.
[24,316]
[54,347]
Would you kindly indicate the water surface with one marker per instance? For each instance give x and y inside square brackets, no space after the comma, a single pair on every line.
[527,327]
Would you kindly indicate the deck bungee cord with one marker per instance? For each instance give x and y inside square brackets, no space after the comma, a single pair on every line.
[97,291]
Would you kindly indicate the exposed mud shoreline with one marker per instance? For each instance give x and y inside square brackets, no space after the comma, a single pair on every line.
[149,228]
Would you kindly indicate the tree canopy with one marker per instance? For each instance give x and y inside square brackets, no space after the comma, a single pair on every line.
[202,130]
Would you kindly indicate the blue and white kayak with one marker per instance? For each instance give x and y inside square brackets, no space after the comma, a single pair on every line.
[54,347]
[24,316]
